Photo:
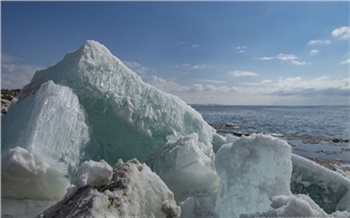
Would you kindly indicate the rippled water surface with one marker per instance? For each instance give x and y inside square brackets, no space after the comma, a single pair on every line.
[321,121]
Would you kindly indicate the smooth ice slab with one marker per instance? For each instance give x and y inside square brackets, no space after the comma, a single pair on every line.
[50,124]
[43,138]
[330,190]
[251,170]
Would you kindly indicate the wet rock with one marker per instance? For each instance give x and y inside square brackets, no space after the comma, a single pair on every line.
[239,134]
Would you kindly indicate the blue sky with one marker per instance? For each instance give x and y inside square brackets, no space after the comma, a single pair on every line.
[242,53]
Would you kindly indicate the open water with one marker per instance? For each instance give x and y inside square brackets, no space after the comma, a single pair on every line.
[312,131]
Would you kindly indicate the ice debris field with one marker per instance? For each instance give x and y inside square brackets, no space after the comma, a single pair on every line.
[88,138]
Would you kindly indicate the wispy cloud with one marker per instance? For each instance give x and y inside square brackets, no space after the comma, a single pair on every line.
[319,42]
[314,52]
[266,81]
[6,58]
[318,86]
[195,46]
[137,67]
[345,62]
[264,58]
[183,91]
[212,81]
[291,58]
[238,73]
[20,68]
[282,90]
[193,66]
[241,49]
[15,72]
[342,33]
[286,57]
[298,62]
[167,85]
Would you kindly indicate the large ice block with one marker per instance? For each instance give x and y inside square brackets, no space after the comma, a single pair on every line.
[50,124]
[129,118]
[251,170]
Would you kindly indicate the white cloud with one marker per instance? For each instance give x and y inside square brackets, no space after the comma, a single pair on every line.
[290,90]
[345,62]
[266,81]
[241,49]
[136,67]
[320,85]
[15,80]
[319,42]
[195,46]
[20,68]
[6,58]
[286,57]
[298,62]
[184,65]
[193,66]
[176,88]
[166,85]
[342,32]
[212,81]
[314,52]
[199,66]
[290,58]
[15,73]
[238,73]
[264,58]
[195,93]
[197,87]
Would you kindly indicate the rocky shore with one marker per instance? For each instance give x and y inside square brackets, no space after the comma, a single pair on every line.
[6,97]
